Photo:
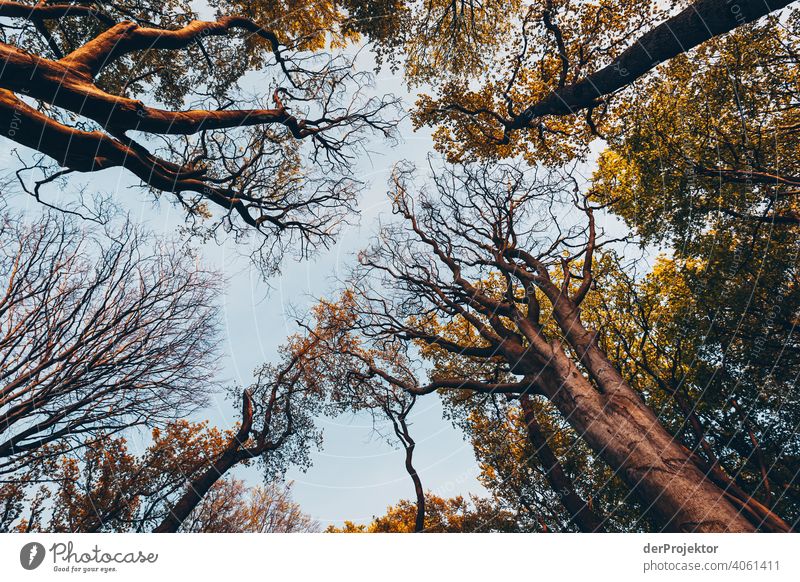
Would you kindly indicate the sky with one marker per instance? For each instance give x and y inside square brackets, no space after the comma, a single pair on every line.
[358,472]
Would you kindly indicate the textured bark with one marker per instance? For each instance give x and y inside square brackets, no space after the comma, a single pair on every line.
[608,379]
[625,432]
[579,511]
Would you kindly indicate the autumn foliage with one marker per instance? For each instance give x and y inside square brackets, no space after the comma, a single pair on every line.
[597,274]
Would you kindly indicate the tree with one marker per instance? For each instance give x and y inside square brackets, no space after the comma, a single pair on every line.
[708,171]
[665,332]
[720,371]
[277,428]
[533,464]
[562,66]
[487,220]
[382,379]
[105,332]
[715,136]
[77,78]
[455,515]
[105,487]
[344,372]
[596,396]
[101,331]
[233,507]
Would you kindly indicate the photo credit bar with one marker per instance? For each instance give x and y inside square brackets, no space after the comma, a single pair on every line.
[388,557]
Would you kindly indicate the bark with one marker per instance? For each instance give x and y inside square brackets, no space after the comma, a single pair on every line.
[85,151]
[67,84]
[729,508]
[617,424]
[229,181]
[702,20]
[200,485]
[570,370]
[625,432]
[127,37]
[579,511]
[419,520]
[195,492]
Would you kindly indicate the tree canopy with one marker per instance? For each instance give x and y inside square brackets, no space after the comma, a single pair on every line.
[597,274]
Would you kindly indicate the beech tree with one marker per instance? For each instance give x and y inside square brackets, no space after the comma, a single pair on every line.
[102,486]
[343,371]
[233,507]
[106,487]
[665,333]
[597,397]
[737,412]
[715,135]
[277,429]
[382,378]
[484,221]
[103,336]
[563,66]
[702,161]
[454,515]
[148,87]
[102,330]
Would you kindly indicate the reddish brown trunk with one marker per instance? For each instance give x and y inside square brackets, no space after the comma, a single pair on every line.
[579,511]
[616,423]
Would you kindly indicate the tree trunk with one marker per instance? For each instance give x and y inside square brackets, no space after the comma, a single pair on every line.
[419,520]
[579,511]
[195,492]
[625,433]
[201,484]
[702,20]
[408,443]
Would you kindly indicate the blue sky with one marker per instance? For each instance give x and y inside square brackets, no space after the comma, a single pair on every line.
[358,473]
